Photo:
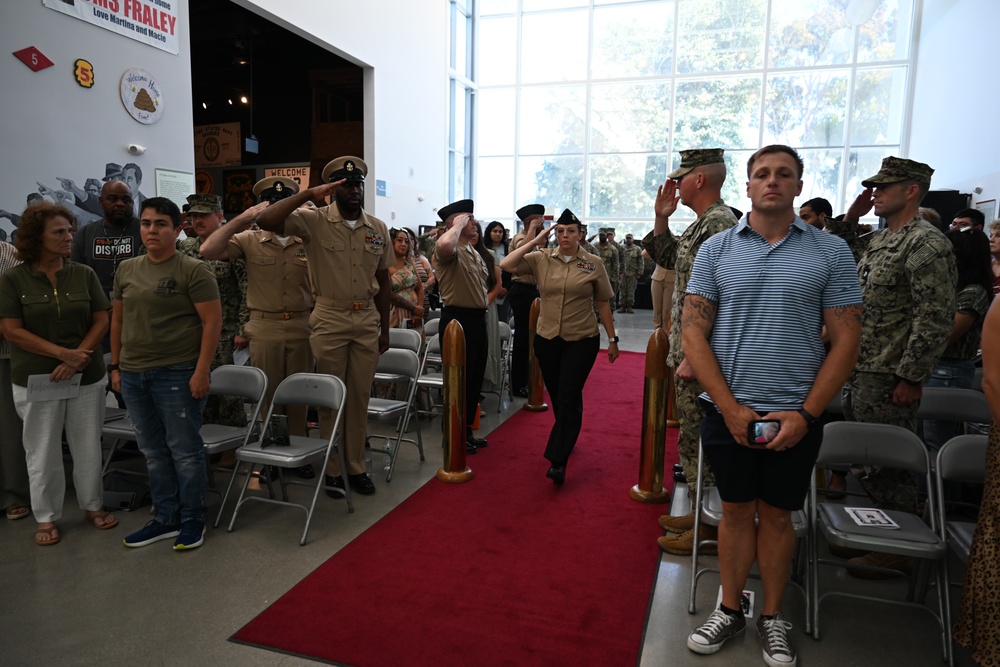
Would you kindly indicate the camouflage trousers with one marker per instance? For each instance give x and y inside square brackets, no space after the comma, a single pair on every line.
[690,414]
[868,398]
[613,301]
[628,292]
[226,410]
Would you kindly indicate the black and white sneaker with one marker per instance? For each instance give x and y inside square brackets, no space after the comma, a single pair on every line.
[713,633]
[778,652]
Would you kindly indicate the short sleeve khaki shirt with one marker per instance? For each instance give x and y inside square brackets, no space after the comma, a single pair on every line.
[568,291]
[277,275]
[462,278]
[343,260]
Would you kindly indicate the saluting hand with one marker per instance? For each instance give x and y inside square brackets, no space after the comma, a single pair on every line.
[861,205]
[326,189]
[666,199]
[246,218]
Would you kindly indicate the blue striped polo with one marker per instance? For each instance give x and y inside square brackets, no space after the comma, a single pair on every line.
[766,335]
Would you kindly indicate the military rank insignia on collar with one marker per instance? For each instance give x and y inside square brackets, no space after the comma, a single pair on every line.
[586,267]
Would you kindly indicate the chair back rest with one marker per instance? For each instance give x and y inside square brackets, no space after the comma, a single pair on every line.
[505,332]
[247,382]
[431,327]
[977,379]
[963,459]
[399,362]
[406,339]
[857,443]
[323,391]
[954,404]
[434,345]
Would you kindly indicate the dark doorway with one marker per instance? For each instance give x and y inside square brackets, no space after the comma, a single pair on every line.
[304,104]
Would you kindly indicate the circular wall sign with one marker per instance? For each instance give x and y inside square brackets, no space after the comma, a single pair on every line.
[141,95]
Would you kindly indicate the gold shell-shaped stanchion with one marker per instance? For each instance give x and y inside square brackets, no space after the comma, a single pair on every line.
[671,410]
[453,419]
[654,423]
[536,385]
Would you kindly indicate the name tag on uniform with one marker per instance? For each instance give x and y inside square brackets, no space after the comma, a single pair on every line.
[586,267]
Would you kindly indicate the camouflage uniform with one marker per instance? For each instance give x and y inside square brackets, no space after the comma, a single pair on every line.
[847,229]
[908,280]
[631,270]
[609,255]
[232,280]
[427,241]
[679,252]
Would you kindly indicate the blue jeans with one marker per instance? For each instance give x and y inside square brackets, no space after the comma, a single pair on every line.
[167,422]
[948,373]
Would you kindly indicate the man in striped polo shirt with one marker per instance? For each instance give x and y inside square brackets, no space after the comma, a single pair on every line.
[757,300]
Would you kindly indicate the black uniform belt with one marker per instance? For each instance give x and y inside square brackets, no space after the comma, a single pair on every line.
[466,312]
[286,315]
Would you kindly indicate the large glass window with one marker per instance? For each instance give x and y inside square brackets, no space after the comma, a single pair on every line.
[461,93]
[589,101]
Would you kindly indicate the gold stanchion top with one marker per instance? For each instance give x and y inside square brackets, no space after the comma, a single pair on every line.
[656,355]
[453,345]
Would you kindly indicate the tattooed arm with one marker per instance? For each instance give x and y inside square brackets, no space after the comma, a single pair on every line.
[697,322]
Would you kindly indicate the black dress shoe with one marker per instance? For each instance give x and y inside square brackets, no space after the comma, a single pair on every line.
[557,474]
[678,467]
[478,442]
[305,472]
[680,477]
[470,448]
[362,484]
[337,483]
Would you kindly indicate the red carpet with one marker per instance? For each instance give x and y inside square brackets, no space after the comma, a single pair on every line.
[506,569]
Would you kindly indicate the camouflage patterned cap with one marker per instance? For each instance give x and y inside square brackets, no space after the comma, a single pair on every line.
[696,157]
[897,170]
[347,167]
[204,203]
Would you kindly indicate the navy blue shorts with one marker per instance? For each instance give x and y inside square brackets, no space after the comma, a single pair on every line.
[744,474]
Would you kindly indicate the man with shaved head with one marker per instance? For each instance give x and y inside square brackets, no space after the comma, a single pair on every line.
[697,183]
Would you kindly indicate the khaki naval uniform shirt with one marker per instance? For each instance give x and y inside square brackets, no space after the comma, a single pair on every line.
[277,276]
[462,278]
[516,243]
[568,291]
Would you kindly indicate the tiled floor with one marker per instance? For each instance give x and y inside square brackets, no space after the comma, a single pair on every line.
[89,601]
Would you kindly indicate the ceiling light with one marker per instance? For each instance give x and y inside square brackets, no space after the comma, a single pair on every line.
[204,105]
[230,101]
[243,98]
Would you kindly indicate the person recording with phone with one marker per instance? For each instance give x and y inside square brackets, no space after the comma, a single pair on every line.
[760,292]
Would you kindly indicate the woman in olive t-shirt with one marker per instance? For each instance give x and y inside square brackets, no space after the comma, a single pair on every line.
[55,314]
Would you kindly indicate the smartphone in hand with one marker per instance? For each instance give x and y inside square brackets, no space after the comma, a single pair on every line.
[762,431]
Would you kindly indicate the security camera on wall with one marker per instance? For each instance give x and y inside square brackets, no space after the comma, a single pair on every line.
[136,149]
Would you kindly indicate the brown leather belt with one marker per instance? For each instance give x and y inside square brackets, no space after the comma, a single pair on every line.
[287,315]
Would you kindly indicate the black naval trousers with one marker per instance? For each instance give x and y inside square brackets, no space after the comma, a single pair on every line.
[565,365]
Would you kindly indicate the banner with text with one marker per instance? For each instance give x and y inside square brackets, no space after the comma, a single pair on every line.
[152,22]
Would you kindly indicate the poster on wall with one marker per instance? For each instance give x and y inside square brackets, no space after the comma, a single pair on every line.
[298,174]
[174,185]
[141,96]
[217,145]
[237,190]
[152,22]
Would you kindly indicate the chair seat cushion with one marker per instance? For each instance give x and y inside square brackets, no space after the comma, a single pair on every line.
[381,408]
[912,538]
[960,537]
[300,451]
[219,438]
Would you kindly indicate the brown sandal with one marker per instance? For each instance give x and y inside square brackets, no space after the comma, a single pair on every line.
[15,512]
[53,534]
[96,516]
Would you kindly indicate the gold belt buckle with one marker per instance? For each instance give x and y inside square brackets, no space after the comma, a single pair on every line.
[357,305]
[286,316]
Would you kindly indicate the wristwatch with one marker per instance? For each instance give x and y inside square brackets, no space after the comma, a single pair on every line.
[810,420]
[613,339]
[112,367]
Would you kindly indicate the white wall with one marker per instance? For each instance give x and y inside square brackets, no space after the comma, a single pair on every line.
[955,125]
[53,127]
[403,46]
